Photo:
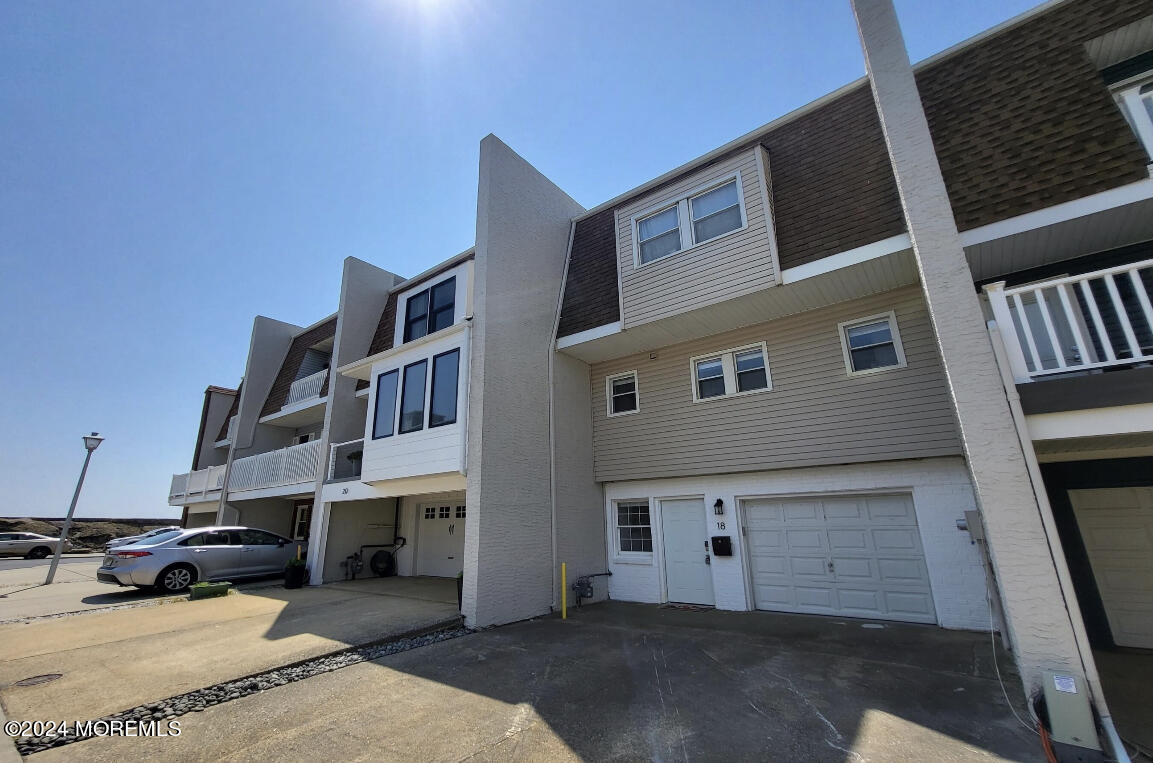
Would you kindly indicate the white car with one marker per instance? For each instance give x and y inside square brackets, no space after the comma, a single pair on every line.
[30,545]
[117,542]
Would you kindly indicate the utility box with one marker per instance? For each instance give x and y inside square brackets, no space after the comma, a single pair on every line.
[1072,730]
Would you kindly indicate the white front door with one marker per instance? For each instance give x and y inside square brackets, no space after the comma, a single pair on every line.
[856,555]
[1117,529]
[687,574]
[440,542]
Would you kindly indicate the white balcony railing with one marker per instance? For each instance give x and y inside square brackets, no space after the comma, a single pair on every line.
[1077,323]
[344,459]
[309,386]
[287,466]
[197,484]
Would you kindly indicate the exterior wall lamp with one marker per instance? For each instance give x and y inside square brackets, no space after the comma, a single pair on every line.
[719,507]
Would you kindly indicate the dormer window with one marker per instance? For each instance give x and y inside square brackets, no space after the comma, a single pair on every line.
[701,216]
[431,310]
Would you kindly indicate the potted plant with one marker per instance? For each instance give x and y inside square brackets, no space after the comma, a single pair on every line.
[295,573]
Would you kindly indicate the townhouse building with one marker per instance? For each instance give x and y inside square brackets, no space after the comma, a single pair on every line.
[886,357]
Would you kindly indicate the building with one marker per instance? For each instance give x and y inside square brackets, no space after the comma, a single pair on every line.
[885,357]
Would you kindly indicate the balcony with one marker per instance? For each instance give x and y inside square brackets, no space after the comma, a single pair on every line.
[344,460]
[195,487]
[306,388]
[277,471]
[1083,323]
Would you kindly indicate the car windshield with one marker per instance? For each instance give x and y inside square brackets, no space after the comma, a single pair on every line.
[161,538]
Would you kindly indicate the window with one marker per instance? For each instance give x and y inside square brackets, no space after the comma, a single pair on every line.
[872,344]
[1136,101]
[700,216]
[300,439]
[750,370]
[301,521]
[634,530]
[251,537]
[622,394]
[444,512]
[460,513]
[412,398]
[431,310]
[716,212]
[430,512]
[659,235]
[739,371]
[220,538]
[442,406]
[385,405]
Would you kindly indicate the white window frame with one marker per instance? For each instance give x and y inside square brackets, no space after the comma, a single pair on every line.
[843,332]
[297,510]
[609,393]
[1128,96]
[729,369]
[684,219]
[631,557]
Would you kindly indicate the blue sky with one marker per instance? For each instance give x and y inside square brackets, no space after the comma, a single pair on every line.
[170,169]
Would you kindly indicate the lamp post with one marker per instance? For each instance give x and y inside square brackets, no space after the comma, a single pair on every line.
[91,443]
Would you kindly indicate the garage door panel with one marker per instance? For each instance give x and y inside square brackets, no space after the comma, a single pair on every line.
[1116,525]
[808,539]
[866,602]
[809,566]
[775,597]
[908,605]
[892,539]
[890,509]
[854,567]
[845,539]
[872,542]
[838,510]
[816,597]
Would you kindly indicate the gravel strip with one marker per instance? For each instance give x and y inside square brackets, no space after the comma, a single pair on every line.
[201,699]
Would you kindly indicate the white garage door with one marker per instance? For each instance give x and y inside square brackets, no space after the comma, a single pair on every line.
[853,555]
[1117,528]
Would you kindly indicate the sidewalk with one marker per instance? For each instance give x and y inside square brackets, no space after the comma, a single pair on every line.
[116,660]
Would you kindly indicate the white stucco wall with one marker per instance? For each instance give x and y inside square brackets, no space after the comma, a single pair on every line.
[1039,627]
[522,233]
[941,491]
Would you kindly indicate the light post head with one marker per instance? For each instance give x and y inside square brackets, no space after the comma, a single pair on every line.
[92,441]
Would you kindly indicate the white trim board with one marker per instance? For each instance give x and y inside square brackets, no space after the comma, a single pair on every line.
[588,335]
[288,410]
[1091,422]
[845,259]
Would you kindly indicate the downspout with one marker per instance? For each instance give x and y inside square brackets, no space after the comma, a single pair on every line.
[1072,608]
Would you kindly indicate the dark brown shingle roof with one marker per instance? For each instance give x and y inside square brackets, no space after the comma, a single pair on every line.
[1021,120]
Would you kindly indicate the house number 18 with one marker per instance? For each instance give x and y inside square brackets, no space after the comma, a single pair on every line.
[720,525]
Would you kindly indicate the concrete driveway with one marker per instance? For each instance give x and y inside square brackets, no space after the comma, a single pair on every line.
[114,660]
[630,682]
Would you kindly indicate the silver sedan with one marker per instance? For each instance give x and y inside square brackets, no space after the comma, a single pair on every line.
[172,561]
[30,545]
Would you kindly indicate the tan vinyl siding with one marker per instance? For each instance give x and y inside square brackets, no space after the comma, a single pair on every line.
[815,414]
[731,266]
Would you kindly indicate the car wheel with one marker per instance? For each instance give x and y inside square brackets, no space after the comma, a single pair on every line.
[39,552]
[176,578]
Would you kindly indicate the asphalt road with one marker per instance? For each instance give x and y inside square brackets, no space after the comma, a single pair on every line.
[18,563]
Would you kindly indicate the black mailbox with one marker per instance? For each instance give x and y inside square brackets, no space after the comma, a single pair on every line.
[722,545]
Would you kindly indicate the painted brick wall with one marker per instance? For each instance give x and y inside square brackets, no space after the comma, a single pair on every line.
[941,493]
